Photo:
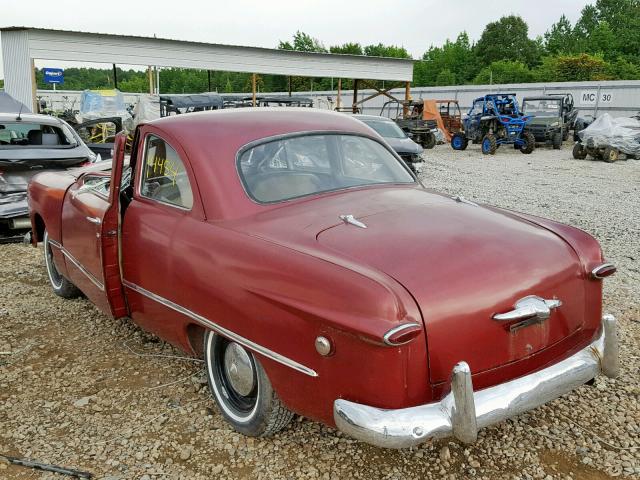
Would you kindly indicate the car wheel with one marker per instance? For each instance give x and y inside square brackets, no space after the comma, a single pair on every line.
[459,141]
[610,154]
[529,144]
[242,389]
[429,141]
[556,140]
[489,144]
[579,152]
[60,285]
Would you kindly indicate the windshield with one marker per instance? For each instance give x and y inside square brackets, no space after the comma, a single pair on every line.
[386,129]
[34,135]
[309,164]
[542,107]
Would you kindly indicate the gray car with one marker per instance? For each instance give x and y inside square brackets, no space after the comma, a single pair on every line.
[408,150]
[31,144]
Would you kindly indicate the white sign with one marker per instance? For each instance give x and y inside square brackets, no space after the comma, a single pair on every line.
[590,97]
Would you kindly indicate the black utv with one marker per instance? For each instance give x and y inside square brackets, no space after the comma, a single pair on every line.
[553,117]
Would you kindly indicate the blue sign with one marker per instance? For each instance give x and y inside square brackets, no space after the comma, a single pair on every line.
[53,75]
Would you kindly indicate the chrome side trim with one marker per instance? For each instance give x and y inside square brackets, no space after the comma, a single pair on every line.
[222,330]
[463,411]
[78,265]
[397,329]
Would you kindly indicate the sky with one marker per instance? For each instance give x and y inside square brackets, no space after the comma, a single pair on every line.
[414,24]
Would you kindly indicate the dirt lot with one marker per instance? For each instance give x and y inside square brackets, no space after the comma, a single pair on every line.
[80,390]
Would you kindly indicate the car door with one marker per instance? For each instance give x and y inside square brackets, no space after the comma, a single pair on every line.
[163,209]
[90,225]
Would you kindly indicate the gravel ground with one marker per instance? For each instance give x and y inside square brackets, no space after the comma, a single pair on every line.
[80,390]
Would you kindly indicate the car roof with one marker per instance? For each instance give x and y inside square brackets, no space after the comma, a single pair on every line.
[30,118]
[229,130]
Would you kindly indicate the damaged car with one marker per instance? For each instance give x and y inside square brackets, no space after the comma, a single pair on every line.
[31,144]
[296,254]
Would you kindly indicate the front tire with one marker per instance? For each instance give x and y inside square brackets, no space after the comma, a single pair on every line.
[489,144]
[557,141]
[241,388]
[60,285]
[579,152]
[529,144]
[459,141]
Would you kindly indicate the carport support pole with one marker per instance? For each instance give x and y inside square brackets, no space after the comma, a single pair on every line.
[407,98]
[338,101]
[115,77]
[354,107]
[253,88]
[289,85]
[209,79]
[150,75]
[34,88]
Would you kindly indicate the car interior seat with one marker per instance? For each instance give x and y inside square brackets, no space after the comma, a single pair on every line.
[34,137]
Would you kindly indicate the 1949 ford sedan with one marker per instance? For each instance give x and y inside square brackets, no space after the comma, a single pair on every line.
[298,255]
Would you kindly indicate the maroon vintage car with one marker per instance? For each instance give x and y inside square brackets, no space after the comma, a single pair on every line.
[301,258]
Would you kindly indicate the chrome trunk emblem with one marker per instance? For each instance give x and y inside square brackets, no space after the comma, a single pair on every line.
[351,220]
[531,309]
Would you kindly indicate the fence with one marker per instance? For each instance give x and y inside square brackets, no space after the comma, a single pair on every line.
[619,98]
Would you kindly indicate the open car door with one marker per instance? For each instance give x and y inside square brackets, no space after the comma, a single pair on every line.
[90,234]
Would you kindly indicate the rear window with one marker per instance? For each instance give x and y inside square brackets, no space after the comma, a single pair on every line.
[310,164]
[386,129]
[34,135]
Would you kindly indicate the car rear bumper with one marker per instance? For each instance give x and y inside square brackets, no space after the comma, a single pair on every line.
[462,412]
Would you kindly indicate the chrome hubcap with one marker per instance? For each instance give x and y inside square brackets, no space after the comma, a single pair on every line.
[239,369]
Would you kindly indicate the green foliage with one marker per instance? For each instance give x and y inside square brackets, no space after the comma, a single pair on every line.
[347,48]
[455,57]
[381,50]
[564,68]
[504,71]
[303,42]
[507,39]
[445,77]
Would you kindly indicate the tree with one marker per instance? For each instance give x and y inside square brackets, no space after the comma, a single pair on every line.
[504,71]
[381,50]
[560,38]
[457,57]
[565,68]
[347,48]
[303,42]
[507,39]
[445,77]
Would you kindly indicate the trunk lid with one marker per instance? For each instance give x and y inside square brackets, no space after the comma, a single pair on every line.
[463,264]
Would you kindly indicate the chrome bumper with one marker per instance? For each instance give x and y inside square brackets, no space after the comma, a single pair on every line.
[462,412]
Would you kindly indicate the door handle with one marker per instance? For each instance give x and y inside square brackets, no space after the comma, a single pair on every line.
[529,307]
[94,220]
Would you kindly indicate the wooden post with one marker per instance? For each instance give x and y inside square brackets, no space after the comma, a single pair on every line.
[209,79]
[253,88]
[289,85]
[354,106]
[407,98]
[34,88]
[338,100]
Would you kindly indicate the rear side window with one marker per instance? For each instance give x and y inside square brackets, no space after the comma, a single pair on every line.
[314,163]
[164,177]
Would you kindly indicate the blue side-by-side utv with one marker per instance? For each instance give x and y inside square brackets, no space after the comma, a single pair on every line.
[495,120]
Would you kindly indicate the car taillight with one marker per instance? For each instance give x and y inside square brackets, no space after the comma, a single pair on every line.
[602,271]
[402,334]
